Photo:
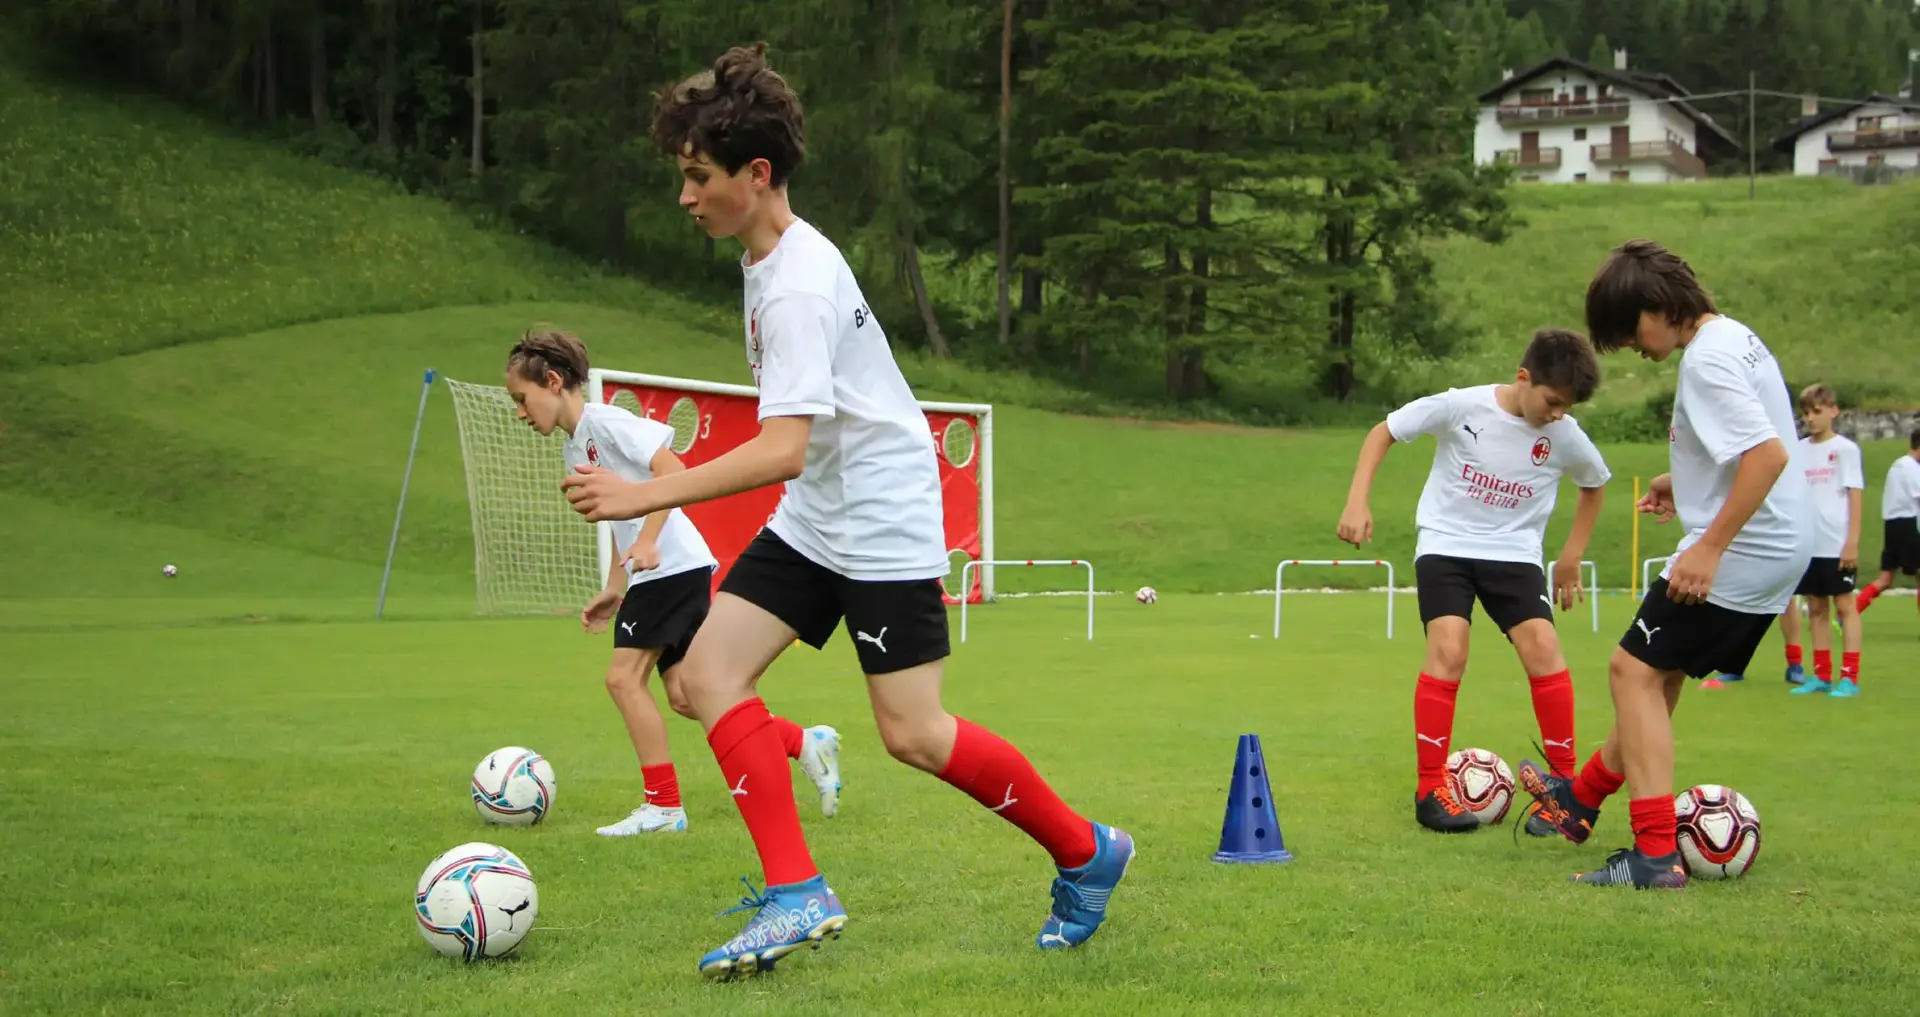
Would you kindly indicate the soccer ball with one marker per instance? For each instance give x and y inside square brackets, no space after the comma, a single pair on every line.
[169,571]
[1481,783]
[513,787]
[1718,831]
[475,901]
[1145,595]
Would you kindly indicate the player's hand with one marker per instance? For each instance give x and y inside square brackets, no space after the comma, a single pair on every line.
[599,610]
[601,495]
[643,555]
[1356,525]
[1850,558]
[1690,578]
[1566,584]
[1658,501]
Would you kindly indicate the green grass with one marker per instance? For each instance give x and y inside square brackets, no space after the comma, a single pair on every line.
[1822,269]
[230,818]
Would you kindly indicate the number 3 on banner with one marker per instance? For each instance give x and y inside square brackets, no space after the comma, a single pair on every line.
[706,425]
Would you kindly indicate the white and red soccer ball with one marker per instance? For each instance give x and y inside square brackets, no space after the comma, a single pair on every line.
[1482,784]
[476,901]
[513,786]
[169,571]
[1145,595]
[1718,831]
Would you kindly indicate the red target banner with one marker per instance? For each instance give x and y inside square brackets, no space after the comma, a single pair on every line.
[708,424]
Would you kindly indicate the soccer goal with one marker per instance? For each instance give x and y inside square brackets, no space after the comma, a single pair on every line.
[532,554]
[1280,574]
[1028,563]
[1646,571]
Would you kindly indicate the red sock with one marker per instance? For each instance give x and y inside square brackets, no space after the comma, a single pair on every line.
[748,747]
[1823,665]
[1850,666]
[1653,825]
[1553,709]
[1595,783]
[1793,655]
[663,787]
[997,776]
[790,736]
[1865,598]
[1433,701]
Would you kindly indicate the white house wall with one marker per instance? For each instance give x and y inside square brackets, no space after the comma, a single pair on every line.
[1646,121]
[1810,149]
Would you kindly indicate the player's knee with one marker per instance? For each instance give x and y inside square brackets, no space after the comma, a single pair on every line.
[627,676]
[916,742]
[677,693]
[1819,607]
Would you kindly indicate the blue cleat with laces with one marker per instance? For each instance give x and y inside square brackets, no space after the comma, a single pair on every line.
[1080,895]
[785,919]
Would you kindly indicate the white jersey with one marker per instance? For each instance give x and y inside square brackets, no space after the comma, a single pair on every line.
[1494,477]
[1730,399]
[617,440]
[1901,499]
[1832,469]
[867,503]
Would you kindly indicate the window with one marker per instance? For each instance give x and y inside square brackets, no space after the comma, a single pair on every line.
[1530,179]
[1536,96]
[1579,134]
[1579,93]
[1619,176]
[1579,178]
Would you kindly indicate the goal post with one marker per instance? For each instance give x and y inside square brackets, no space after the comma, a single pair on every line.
[531,553]
[1028,563]
[1279,584]
[1590,572]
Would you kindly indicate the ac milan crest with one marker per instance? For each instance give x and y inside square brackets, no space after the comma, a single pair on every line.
[593,453]
[1541,449]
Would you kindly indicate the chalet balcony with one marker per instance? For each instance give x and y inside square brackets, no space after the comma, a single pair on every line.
[1539,158]
[1581,111]
[1856,141]
[1671,154]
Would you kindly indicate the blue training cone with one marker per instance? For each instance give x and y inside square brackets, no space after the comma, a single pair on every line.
[1251,831]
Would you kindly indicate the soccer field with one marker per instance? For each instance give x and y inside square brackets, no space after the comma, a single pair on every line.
[228,817]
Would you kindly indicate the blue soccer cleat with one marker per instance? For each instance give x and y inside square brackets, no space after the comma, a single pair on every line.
[1725,677]
[787,918]
[1796,675]
[1811,686]
[1845,688]
[1080,895]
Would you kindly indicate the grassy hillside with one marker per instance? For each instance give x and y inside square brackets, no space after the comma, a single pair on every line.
[1825,271]
[221,346]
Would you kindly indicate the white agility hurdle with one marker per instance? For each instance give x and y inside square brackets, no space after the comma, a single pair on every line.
[1028,562]
[1282,571]
[1593,587]
[1646,570]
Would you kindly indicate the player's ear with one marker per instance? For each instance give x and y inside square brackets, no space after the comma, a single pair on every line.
[760,173]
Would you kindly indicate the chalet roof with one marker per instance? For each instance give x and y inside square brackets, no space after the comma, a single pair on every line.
[1658,86]
[1785,139]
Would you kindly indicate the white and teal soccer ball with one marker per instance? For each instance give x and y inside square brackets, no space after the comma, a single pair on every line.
[1482,784]
[169,571]
[1718,831]
[513,787]
[1145,595]
[477,900]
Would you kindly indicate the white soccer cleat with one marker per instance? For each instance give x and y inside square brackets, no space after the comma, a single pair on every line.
[820,760]
[647,819]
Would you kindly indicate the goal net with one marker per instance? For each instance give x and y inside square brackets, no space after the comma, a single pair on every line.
[533,554]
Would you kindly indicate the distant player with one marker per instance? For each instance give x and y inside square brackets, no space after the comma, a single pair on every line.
[660,586]
[1499,454]
[859,534]
[1836,484]
[1900,510]
[1747,543]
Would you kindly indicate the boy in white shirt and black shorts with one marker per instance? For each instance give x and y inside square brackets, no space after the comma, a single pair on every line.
[859,534]
[1835,490]
[1900,512]
[1747,543]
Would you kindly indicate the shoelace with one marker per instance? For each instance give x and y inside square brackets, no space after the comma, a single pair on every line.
[1537,807]
[1618,869]
[754,899]
[1068,901]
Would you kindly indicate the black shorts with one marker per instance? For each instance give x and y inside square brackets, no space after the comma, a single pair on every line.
[1512,592]
[1901,551]
[1825,578]
[664,614]
[1697,639]
[895,623]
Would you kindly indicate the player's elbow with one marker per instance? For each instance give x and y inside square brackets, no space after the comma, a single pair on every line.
[1769,456]
[783,442]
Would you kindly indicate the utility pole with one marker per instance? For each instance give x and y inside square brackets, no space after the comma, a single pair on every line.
[1750,155]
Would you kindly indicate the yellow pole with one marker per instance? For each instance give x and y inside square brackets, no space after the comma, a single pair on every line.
[1633,566]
